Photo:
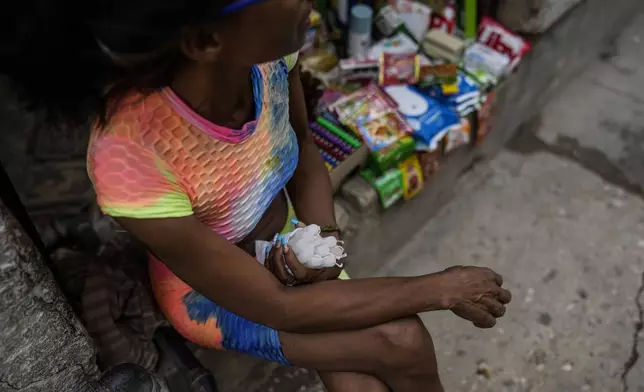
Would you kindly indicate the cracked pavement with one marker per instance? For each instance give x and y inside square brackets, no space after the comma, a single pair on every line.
[559,213]
[633,359]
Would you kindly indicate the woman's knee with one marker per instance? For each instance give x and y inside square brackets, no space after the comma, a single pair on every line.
[406,344]
[406,334]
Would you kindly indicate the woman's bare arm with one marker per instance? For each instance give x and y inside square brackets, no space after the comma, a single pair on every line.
[310,188]
[236,281]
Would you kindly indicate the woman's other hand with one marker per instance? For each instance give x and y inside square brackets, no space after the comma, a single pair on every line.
[474,294]
[282,256]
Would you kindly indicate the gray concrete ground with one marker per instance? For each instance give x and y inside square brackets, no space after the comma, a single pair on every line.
[559,213]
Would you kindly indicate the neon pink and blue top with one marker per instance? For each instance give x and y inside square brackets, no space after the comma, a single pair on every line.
[157,158]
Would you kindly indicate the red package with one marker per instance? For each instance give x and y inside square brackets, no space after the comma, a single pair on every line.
[502,40]
[438,22]
[398,69]
[449,12]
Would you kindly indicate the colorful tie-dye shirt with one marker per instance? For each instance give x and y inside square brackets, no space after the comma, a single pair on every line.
[157,158]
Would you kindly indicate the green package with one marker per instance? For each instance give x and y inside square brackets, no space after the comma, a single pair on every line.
[389,157]
[389,186]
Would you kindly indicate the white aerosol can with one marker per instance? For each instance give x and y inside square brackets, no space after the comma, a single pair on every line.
[359,39]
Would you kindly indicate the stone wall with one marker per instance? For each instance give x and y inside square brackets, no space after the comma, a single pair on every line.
[533,16]
[43,346]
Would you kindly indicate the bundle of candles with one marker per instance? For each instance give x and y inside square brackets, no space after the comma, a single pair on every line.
[334,143]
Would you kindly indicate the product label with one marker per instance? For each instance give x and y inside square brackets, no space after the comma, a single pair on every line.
[412,177]
[359,44]
[502,40]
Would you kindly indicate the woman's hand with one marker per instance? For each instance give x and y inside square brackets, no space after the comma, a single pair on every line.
[474,294]
[281,256]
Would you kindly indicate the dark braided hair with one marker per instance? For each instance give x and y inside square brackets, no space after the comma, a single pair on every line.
[63,56]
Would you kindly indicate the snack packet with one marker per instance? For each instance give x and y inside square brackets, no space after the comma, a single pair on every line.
[412,177]
[438,74]
[382,129]
[398,69]
[388,157]
[364,102]
[358,106]
[502,40]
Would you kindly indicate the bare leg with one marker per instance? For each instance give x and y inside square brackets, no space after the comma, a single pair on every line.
[350,382]
[400,353]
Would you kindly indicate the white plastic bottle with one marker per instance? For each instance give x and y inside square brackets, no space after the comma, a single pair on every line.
[359,38]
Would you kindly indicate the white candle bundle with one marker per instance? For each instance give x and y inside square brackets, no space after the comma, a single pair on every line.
[313,250]
[310,248]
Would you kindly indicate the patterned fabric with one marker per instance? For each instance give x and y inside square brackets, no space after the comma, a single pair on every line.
[208,324]
[157,158]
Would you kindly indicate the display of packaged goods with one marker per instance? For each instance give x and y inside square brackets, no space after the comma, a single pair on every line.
[423,90]
[441,45]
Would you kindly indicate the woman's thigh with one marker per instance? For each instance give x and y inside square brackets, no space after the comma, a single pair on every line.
[207,324]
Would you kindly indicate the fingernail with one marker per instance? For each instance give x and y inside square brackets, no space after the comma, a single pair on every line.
[284,241]
[294,221]
[286,248]
[274,239]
